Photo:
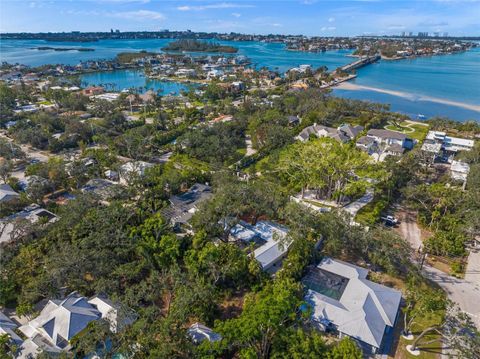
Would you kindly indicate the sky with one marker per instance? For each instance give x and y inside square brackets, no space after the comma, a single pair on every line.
[307,17]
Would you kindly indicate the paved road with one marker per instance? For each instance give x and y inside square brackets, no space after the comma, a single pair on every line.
[460,291]
[465,292]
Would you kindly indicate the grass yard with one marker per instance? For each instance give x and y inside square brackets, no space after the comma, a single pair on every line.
[415,130]
[430,351]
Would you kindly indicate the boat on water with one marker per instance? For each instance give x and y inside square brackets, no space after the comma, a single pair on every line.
[421,117]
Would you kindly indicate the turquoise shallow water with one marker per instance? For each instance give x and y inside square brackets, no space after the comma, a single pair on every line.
[126,79]
[448,77]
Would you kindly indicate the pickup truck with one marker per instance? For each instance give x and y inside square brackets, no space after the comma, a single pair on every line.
[389,220]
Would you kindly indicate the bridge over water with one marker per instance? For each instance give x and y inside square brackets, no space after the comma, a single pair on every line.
[363,61]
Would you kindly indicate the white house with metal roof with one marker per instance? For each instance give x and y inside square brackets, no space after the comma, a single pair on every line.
[60,320]
[7,193]
[345,301]
[448,143]
[7,327]
[269,239]
[199,332]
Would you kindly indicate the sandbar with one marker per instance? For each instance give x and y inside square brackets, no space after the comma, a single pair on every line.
[408,96]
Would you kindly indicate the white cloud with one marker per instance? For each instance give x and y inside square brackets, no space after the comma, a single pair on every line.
[223,5]
[331,19]
[139,15]
[328,28]
[236,14]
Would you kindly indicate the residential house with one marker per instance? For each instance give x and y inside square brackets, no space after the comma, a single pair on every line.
[111,175]
[101,188]
[343,300]
[93,90]
[268,240]
[7,327]
[367,144]
[381,143]
[61,320]
[7,193]
[350,131]
[133,169]
[293,120]
[11,226]
[185,73]
[388,137]
[449,146]
[199,332]
[342,134]
[184,206]
[214,73]
[459,170]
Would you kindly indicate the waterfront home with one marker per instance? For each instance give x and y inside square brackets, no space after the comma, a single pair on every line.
[344,301]
[199,332]
[449,145]
[109,96]
[185,73]
[11,226]
[183,206]
[215,73]
[268,240]
[93,90]
[381,143]
[61,320]
[7,193]
[459,170]
[388,137]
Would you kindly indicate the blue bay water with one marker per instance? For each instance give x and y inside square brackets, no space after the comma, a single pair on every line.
[448,77]
[272,55]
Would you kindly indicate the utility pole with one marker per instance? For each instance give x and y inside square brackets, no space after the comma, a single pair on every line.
[424,256]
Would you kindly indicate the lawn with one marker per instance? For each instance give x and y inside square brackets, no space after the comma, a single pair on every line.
[415,130]
[430,351]
[399,351]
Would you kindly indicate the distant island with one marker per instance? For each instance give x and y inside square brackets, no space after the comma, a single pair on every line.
[128,57]
[191,45]
[83,49]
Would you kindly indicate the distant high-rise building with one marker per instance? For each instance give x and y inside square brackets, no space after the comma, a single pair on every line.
[111,31]
[410,33]
[422,34]
[436,34]
[117,31]
[445,34]
[404,33]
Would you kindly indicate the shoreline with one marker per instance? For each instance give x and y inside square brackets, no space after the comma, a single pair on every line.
[411,97]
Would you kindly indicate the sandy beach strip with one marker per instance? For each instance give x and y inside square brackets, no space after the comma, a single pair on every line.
[412,97]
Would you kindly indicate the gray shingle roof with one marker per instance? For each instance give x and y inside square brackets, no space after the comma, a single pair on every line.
[385,134]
